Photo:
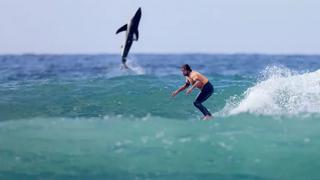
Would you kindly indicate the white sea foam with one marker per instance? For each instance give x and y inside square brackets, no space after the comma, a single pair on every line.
[279,92]
[134,69]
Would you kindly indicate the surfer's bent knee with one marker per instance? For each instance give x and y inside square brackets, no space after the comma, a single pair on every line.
[196,103]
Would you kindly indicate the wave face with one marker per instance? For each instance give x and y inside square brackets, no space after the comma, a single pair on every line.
[81,117]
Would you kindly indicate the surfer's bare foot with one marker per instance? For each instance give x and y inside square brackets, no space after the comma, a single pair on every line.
[207,117]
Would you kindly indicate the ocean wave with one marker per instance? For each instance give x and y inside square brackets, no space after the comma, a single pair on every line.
[280,92]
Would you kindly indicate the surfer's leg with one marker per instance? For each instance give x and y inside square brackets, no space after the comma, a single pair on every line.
[198,103]
[205,93]
[203,109]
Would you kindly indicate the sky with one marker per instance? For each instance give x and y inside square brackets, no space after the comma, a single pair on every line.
[167,26]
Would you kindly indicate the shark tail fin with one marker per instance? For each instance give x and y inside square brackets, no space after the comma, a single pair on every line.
[123,28]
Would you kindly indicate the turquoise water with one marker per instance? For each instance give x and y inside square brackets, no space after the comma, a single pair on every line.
[81,117]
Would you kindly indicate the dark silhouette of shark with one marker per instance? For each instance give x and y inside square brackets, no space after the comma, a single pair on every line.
[132,34]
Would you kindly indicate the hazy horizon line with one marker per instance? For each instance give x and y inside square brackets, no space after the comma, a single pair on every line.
[162,53]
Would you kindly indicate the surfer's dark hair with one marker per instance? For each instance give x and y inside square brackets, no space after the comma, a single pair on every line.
[186,67]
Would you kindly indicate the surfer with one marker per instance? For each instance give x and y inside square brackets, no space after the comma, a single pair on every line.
[199,81]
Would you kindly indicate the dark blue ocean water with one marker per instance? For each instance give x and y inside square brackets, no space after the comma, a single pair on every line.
[82,117]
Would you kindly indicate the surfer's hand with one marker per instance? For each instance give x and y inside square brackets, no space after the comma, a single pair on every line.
[189,91]
[174,93]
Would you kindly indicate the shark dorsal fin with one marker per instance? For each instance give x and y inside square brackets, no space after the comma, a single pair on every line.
[123,28]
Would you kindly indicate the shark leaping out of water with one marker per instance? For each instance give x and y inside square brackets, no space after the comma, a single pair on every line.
[132,34]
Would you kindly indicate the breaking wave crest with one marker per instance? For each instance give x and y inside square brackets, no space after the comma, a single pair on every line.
[279,92]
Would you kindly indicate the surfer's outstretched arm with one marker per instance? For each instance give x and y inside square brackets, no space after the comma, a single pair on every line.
[182,88]
[193,86]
